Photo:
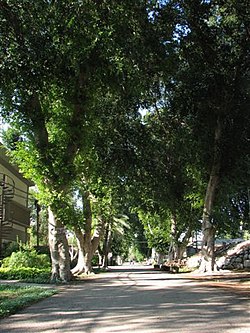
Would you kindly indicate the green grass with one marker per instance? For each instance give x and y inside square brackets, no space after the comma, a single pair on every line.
[13,298]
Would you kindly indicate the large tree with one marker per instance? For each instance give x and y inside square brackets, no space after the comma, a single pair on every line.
[65,66]
[201,104]
[211,93]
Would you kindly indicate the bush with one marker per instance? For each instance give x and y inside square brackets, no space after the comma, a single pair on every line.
[10,248]
[29,274]
[95,260]
[26,258]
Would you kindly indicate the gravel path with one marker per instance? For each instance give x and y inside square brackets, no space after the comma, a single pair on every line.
[136,299]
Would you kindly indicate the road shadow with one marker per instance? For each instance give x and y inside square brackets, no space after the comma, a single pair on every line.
[135,300]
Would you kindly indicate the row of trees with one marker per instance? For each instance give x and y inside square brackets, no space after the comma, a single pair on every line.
[76,76]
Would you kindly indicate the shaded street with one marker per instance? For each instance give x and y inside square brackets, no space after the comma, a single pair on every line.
[136,299]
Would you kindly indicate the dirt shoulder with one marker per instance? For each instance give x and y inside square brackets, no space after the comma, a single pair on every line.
[236,281]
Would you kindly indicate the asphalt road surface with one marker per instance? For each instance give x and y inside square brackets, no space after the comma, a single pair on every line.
[136,299]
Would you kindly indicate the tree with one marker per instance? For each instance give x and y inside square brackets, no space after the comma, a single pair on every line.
[87,238]
[200,105]
[210,92]
[233,212]
[61,62]
[115,229]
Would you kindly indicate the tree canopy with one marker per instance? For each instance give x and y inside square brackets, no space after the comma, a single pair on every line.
[75,77]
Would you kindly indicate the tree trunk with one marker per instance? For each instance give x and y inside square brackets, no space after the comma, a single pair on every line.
[85,253]
[80,266]
[88,251]
[208,228]
[87,244]
[59,250]
[106,246]
[173,243]
[88,261]
[177,248]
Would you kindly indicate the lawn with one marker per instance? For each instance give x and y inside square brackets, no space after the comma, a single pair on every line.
[16,297]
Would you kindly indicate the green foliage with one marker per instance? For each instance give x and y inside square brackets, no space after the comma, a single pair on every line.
[13,298]
[157,230]
[75,75]
[246,235]
[135,254]
[10,248]
[28,274]
[133,237]
[95,260]
[211,84]
[231,215]
[27,258]
[120,246]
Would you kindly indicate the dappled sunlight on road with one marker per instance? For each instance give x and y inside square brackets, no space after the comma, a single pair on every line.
[135,300]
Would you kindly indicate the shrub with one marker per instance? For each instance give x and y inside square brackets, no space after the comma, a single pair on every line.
[10,248]
[95,261]
[29,274]
[26,258]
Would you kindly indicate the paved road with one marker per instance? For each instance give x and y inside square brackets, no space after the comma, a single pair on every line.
[136,299]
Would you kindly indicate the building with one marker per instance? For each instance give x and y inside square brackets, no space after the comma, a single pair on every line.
[14,211]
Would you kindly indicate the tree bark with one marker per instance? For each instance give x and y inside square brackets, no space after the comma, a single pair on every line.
[80,266]
[106,246]
[59,250]
[177,247]
[87,244]
[88,251]
[85,253]
[173,244]
[208,227]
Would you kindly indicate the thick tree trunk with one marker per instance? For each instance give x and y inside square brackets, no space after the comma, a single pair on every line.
[208,228]
[80,266]
[178,248]
[88,261]
[87,244]
[59,250]
[85,253]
